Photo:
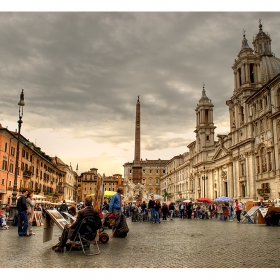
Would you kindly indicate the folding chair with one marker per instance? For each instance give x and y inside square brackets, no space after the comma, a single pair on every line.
[85,237]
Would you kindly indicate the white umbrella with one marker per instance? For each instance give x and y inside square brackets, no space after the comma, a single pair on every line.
[187,201]
[156,196]
[42,202]
[35,196]
[223,199]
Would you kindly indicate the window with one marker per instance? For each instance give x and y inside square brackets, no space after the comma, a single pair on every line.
[258,164]
[262,125]
[23,153]
[261,104]
[12,151]
[240,78]
[242,113]
[5,147]
[252,80]
[256,127]
[3,181]
[5,164]
[243,190]
[242,169]
[151,181]
[150,171]
[130,171]
[144,171]
[11,167]
[27,155]
[157,171]
[266,100]
[206,116]
[157,181]
[207,137]
[263,158]
[255,108]
[269,162]
[163,171]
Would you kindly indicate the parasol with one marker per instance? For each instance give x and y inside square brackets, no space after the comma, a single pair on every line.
[223,199]
[204,199]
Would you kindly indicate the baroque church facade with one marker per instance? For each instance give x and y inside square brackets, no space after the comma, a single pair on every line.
[245,163]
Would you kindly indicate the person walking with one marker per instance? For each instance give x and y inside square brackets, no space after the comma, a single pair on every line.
[127,210]
[164,210]
[115,205]
[134,210]
[63,208]
[211,209]
[182,209]
[151,207]
[144,211]
[30,204]
[171,210]
[189,210]
[157,209]
[22,214]
[238,208]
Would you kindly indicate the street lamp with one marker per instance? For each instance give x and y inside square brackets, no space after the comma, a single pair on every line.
[204,178]
[14,193]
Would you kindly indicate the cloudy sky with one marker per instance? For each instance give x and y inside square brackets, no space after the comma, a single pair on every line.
[83,71]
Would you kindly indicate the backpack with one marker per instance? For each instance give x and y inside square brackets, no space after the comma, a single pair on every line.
[88,230]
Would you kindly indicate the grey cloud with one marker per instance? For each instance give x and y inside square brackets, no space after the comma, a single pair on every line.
[84,71]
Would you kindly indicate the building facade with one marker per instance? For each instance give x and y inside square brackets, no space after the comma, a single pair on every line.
[87,183]
[243,164]
[37,171]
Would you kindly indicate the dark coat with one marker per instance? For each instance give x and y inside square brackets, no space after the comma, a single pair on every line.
[21,204]
[87,211]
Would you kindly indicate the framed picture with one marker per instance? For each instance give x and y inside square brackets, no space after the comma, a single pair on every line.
[38,218]
[57,218]
[71,218]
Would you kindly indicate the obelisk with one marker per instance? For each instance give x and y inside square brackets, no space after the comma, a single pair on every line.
[137,168]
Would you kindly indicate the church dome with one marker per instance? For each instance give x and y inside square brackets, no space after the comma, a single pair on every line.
[270,65]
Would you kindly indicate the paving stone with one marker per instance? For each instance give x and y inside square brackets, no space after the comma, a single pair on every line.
[177,243]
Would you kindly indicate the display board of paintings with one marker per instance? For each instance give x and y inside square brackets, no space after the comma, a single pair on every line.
[71,218]
[53,217]
[57,218]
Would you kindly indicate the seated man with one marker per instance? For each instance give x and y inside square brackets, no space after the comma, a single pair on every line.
[70,230]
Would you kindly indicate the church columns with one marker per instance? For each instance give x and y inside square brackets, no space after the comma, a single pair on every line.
[259,73]
[220,182]
[243,74]
[230,180]
[250,187]
[235,80]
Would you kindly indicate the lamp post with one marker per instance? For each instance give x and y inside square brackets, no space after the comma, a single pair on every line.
[13,207]
[204,178]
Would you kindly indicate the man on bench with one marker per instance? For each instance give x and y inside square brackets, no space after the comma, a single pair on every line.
[69,231]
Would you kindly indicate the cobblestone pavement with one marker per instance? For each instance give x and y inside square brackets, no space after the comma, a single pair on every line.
[177,243]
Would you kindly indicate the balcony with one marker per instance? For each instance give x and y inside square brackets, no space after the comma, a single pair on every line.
[27,173]
[264,192]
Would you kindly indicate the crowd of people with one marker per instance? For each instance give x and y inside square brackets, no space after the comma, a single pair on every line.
[156,211]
